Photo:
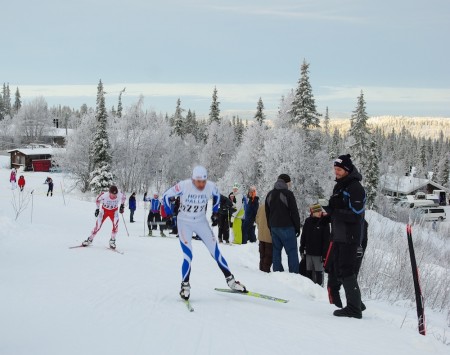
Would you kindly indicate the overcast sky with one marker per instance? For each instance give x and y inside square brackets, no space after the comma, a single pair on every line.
[396,51]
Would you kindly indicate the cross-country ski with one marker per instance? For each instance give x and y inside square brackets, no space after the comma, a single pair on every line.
[253,294]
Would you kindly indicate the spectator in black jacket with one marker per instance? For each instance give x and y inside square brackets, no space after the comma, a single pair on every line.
[284,223]
[251,206]
[346,208]
[225,211]
[314,243]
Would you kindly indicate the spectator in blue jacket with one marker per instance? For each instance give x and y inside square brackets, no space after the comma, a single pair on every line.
[132,206]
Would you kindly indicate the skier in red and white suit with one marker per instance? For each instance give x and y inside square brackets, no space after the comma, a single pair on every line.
[109,203]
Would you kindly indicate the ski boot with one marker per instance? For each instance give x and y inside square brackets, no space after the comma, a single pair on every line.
[112,243]
[87,242]
[185,290]
[235,285]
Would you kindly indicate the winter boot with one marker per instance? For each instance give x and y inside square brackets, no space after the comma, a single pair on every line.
[112,244]
[162,234]
[235,285]
[149,232]
[87,242]
[185,290]
[353,295]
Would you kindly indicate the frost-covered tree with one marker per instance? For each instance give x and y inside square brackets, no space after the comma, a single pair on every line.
[191,125]
[284,118]
[34,121]
[219,149]
[304,112]
[372,176]
[214,112]
[260,116]
[239,128]
[444,170]
[245,167]
[101,175]
[359,134]
[77,159]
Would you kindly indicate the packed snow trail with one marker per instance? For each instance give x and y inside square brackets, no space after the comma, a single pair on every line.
[56,300]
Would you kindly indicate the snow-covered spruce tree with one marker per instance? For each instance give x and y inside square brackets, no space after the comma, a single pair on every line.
[214,113]
[444,171]
[260,116]
[101,175]
[372,175]
[359,135]
[326,123]
[304,112]
[285,111]
[6,95]
[119,104]
[178,120]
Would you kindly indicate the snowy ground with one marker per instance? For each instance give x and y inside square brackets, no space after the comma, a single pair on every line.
[55,300]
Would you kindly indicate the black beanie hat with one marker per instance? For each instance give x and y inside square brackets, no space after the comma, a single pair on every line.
[344,162]
[285,177]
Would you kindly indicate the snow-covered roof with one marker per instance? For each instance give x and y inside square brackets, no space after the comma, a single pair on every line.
[37,150]
[406,184]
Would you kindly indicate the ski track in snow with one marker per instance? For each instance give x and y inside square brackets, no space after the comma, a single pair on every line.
[56,300]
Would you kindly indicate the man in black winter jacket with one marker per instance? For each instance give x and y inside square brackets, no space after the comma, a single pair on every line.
[225,211]
[283,221]
[346,209]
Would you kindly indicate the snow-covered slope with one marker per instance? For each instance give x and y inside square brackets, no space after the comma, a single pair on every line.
[55,300]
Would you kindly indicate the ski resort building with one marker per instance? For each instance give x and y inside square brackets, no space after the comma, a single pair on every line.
[36,157]
[400,186]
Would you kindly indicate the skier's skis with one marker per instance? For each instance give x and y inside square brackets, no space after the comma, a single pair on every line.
[415,271]
[253,294]
[115,250]
[76,246]
[188,305]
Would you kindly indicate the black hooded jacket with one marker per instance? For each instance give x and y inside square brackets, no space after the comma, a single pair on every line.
[315,237]
[281,207]
[347,209]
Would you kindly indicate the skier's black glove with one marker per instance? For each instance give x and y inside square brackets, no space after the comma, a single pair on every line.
[121,208]
[297,234]
[360,252]
[97,211]
[215,219]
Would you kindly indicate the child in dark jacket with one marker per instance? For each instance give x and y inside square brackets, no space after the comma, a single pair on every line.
[314,243]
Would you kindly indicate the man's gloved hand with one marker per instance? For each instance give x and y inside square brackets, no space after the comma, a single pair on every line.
[297,234]
[121,208]
[360,252]
[97,211]
[302,255]
[215,219]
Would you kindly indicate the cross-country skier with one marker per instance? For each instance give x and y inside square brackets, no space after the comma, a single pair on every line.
[111,203]
[49,181]
[194,195]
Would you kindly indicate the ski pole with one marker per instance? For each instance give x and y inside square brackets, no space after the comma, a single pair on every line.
[123,219]
[62,190]
[32,206]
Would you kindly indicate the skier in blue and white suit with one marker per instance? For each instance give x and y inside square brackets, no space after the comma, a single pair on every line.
[194,195]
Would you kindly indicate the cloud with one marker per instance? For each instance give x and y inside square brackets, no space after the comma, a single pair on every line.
[385,94]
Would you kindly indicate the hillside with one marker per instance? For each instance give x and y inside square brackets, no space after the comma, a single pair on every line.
[56,300]
[427,127]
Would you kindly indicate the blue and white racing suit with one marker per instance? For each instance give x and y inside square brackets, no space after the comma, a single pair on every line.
[192,219]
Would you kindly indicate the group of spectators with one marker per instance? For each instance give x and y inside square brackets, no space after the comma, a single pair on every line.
[333,238]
